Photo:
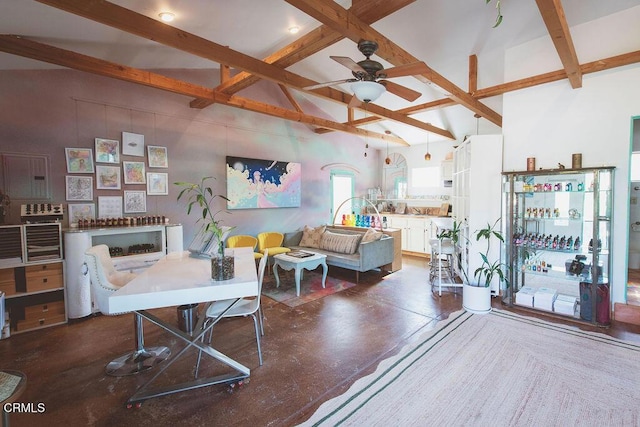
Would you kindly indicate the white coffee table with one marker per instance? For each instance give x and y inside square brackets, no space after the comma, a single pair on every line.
[288,262]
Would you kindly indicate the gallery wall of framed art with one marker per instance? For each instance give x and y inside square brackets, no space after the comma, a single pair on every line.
[113,171]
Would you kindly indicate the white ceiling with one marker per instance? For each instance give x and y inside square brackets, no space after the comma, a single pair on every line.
[442,33]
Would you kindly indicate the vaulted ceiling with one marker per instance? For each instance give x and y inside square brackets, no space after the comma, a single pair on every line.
[457,53]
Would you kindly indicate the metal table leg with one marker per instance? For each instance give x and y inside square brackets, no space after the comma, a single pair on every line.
[240,372]
[141,359]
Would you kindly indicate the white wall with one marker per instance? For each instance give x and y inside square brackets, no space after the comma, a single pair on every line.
[44,111]
[552,121]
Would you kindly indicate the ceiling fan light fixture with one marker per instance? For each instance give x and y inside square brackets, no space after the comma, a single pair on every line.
[367,91]
[167,16]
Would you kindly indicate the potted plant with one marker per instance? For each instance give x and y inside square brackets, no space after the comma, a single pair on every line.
[476,293]
[201,195]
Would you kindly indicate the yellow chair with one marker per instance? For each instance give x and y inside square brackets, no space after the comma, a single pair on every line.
[244,241]
[272,241]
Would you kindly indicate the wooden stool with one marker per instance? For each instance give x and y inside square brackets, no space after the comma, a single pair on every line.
[12,385]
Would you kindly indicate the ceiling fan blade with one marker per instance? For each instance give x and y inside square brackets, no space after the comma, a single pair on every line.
[406,70]
[401,91]
[335,82]
[349,63]
[354,102]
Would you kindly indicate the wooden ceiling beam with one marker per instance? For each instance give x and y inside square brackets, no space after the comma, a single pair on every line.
[132,22]
[554,18]
[414,109]
[473,73]
[553,76]
[20,46]
[335,16]
[225,73]
[316,40]
[290,97]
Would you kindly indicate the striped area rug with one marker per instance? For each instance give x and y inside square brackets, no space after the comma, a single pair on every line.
[497,369]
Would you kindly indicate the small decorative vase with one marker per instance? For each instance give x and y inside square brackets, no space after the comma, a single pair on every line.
[222,266]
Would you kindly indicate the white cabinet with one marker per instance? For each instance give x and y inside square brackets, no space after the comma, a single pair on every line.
[477,195]
[400,224]
[415,232]
[133,249]
[446,172]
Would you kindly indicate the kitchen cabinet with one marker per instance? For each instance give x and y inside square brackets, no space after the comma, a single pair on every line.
[446,172]
[416,232]
[559,241]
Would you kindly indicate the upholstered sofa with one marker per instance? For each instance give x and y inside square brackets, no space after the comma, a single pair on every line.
[355,250]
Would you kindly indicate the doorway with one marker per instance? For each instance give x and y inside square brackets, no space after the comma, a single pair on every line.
[342,184]
[633,256]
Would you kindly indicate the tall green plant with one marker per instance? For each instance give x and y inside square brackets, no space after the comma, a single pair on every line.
[485,273]
[489,269]
[202,196]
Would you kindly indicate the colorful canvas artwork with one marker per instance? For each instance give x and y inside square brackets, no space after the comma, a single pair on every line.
[255,183]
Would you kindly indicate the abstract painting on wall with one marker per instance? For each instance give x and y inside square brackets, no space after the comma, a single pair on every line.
[255,183]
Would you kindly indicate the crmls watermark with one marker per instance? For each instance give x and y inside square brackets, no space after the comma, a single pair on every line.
[24,408]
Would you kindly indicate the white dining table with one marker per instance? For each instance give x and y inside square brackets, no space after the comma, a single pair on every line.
[177,279]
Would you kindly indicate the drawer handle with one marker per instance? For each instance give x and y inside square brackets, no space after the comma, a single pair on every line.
[44,266]
[41,322]
[44,280]
[45,308]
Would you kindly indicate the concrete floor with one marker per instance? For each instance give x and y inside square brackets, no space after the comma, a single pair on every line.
[311,353]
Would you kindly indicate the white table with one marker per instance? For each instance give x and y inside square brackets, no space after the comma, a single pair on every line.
[179,279]
[288,262]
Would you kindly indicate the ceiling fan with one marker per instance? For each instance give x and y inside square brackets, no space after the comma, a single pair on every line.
[370,76]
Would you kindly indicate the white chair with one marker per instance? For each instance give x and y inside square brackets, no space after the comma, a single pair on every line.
[441,262]
[243,308]
[105,280]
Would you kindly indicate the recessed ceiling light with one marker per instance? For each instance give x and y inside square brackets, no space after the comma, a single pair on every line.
[167,16]
[294,29]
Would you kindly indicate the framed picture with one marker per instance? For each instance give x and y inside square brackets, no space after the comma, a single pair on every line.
[135,202]
[108,177]
[79,160]
[134,172]
[132,144]
[260,183]
[110,206]
[79,187]
[78,211]
[107,150]
[157,156]
[157,183]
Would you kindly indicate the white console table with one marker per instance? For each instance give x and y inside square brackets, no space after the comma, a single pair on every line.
[164,239]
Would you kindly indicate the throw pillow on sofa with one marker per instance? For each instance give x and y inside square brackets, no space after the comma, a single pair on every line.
[371,235]
[340,243]
[311,237]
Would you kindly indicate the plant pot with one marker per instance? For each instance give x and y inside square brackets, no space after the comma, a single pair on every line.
[476,299]
[222,267]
